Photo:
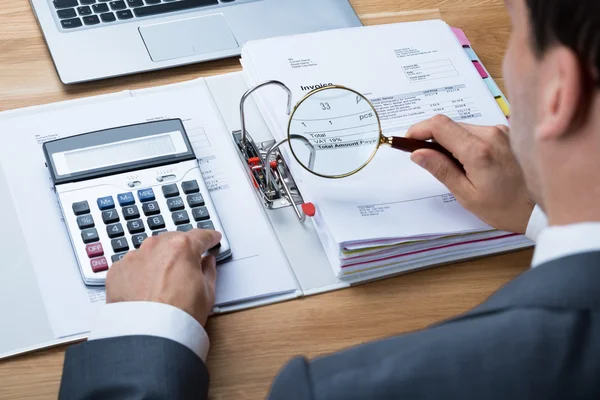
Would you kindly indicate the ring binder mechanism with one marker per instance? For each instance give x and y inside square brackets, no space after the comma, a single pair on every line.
[265,165]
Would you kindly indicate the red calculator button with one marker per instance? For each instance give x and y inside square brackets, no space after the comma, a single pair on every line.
[99,264]
[94,250]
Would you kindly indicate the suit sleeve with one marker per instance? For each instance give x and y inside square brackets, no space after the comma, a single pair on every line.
[133,367]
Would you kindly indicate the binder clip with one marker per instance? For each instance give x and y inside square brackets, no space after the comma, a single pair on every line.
[265,165]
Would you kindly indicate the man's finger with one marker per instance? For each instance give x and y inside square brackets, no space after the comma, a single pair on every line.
[452,136]
[504,129]
[443,169]
[209,269]
[204,239]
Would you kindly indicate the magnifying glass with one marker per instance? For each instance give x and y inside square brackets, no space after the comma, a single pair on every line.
[334,132]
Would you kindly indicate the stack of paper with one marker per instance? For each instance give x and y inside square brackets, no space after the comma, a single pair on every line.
[392,213]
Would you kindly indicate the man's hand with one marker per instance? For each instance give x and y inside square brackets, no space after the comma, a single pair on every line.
[169,269]
[492,185]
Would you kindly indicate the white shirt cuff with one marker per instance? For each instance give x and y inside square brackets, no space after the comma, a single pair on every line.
[150,319]
[537,223]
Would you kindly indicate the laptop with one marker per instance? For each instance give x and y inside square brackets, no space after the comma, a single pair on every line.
[97,39]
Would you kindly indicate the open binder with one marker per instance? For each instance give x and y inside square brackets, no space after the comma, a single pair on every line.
[43,308]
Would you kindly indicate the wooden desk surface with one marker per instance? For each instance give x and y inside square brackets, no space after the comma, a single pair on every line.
[249,347]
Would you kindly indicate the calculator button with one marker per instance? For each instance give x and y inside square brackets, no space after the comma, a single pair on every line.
[195,200]
[156,233]
[200,213]
[138,240]
[105,203]
[131,212]
[110,216]
[136,226]
[126,199]
[115,231]
[146,195]
[185,228]
[94,250]
[170,190]
[181,217]
[190,187]
[175,204]
[85,221]
[156,222]
[206,225]
[150,208]
[81,208]
[118,257]
[90,236]
[99,264]
[119,245]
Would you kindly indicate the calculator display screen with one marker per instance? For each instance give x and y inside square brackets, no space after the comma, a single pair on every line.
[119,152]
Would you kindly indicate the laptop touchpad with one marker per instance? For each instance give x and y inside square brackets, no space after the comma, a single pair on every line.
[188,37]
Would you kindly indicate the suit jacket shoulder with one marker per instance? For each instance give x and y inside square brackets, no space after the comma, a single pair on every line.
[538,337]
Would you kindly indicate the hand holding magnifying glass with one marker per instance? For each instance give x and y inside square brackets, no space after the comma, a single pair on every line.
[334,132]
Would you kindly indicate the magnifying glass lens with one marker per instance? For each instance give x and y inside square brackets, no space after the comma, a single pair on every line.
[334,132]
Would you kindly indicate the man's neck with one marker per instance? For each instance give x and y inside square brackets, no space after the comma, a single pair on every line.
[570,172]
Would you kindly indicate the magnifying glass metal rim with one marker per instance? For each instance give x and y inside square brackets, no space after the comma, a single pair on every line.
[380,140]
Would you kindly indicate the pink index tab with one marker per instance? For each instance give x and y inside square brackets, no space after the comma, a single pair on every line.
[462,38]
[99,264]
[481,70]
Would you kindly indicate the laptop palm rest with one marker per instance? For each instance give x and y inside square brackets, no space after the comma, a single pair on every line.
[188,37]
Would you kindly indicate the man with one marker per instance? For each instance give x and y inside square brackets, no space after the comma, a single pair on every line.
[538,337]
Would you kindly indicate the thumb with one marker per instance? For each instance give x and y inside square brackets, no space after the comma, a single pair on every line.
[442,168]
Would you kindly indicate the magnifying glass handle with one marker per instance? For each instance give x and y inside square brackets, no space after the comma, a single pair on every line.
[412,145]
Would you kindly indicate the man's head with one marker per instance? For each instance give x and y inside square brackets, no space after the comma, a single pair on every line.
[552,75]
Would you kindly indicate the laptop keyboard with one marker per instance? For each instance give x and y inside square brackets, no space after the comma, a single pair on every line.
[77,13]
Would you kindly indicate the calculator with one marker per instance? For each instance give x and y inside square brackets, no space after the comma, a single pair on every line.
[117,187]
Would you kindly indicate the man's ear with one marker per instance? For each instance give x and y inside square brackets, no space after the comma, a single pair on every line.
[560,93]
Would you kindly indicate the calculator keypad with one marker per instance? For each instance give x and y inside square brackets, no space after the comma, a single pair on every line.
[150,208]
[131,212]
[175,204]
[115,230]
[85,221]
[129,218]
[90,235]
[156,222]
[135,226]
[126,199]
[181,217]
[81,208]
[106,203]
[119,245]
[110,216]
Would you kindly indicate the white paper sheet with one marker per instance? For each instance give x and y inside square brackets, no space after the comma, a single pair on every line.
[258,267]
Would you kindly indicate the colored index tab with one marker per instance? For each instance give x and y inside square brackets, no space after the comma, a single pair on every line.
[462,38]
[494,89]
[480,69]
[471,54]
[503,106]
[126,199]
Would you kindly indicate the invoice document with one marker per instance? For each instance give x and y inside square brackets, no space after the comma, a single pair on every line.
[410,72]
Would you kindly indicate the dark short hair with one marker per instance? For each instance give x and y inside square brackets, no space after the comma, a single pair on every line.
[572,23]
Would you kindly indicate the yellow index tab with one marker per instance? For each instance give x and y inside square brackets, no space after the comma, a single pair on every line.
[504,106]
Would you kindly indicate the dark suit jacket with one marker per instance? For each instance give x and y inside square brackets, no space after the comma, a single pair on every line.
[536,338]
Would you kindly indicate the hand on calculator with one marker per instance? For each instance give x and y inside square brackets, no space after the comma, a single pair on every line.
[169,269]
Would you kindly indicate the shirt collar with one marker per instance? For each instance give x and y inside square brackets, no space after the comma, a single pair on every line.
[561,241]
